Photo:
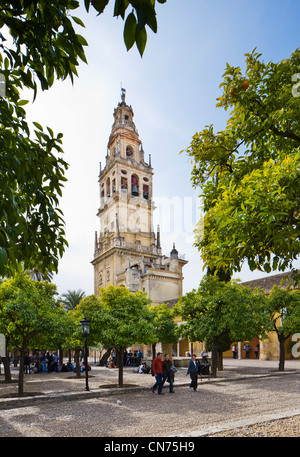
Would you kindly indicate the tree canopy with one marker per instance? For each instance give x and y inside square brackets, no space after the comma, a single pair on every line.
[165,328]
[39,44]
[283,307]
[30,315]
[118,318]
[249,172]
[221,309]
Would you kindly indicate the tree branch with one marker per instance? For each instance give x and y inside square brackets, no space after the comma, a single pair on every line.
[286,134]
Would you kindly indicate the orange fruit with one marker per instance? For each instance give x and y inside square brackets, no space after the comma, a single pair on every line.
[245,85]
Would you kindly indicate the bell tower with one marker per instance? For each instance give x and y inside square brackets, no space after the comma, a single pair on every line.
[127,247]
[126,207]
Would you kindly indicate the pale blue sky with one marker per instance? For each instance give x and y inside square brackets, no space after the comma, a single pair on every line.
[172,90]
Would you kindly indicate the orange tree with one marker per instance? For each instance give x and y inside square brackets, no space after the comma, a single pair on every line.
[249,172]
[165,328]
[283,307]
[221,309]
[118,318]
[30,315]
[39,44]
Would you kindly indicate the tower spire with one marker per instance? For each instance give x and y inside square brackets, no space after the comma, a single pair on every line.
[123,94]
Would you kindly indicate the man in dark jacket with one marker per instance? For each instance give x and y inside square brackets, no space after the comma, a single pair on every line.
[157,369]
[168,373]
[193,372]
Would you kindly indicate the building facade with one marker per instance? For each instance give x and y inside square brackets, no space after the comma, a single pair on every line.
[268,349]
[127,250]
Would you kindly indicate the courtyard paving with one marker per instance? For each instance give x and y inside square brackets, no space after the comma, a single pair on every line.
[249,398]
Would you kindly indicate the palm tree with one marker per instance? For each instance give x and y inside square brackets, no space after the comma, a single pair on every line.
[71,299]
[36,275]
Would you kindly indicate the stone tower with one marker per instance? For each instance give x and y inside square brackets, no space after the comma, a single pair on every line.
[127,250]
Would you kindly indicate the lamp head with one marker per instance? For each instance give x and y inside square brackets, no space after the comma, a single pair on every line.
[85,326]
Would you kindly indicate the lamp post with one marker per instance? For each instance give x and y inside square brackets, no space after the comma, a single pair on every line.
[85,330]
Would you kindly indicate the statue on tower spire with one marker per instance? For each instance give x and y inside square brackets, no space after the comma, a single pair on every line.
[123,94]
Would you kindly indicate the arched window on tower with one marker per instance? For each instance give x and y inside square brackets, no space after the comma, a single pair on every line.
[123,184]
[108,187]
[134,185]
[129,151]
[145,191]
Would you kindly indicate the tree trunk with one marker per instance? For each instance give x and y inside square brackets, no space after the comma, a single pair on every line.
[220,360]
[105,356]
[281,353]
[153,351]
[78,372]
[61,356]
[120,365]
[214,357]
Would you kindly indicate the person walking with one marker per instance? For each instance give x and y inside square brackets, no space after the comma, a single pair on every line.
[27,363]
[247,351]
[157,370]
[168,373]
[234,351]
[193,372]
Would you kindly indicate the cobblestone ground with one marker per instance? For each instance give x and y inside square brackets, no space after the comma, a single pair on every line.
[142,413]
[288,427]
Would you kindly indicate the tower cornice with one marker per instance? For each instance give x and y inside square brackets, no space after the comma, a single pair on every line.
[124,133]
[128,163]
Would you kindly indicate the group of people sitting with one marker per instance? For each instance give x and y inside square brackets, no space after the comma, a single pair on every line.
[132,359]
[129,359]
[48,363]
[41,363]
[144,368]
[70,367]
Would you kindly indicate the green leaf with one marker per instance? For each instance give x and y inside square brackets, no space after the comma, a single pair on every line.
[3,258]
[78,21]
[38,125]
[99,5]
[141,40]
[120,8]
[82,40]
[130,31]
[146,15]
[22,102]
